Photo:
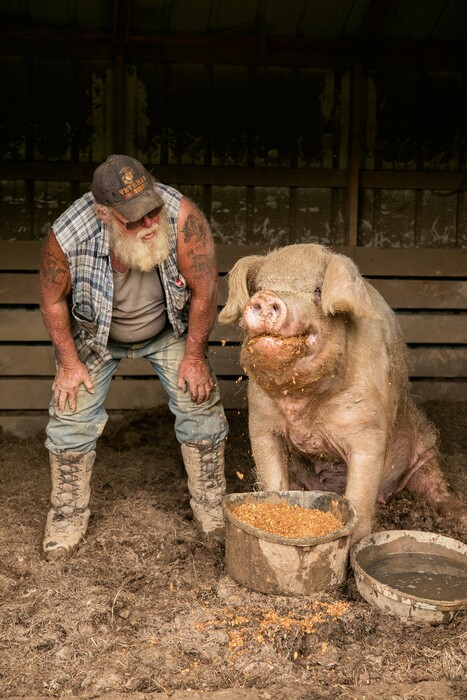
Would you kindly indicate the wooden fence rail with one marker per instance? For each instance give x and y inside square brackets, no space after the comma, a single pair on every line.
[426,287]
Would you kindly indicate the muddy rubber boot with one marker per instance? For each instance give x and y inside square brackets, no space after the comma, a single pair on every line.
[204,464]
[68,518]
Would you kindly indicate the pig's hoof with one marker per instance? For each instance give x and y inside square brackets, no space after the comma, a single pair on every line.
[360,532]
[453,516]
[455,512]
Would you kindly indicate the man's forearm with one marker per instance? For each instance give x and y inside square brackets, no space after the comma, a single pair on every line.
[57,323]
[201,319]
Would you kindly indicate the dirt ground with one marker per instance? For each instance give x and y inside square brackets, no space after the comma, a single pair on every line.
[145,608]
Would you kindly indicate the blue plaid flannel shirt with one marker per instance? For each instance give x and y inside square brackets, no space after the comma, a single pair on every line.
[85,241]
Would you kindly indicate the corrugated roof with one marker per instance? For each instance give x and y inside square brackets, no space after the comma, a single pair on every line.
[404,20]
[338,19]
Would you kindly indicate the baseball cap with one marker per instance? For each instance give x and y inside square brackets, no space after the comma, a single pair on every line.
[124,183]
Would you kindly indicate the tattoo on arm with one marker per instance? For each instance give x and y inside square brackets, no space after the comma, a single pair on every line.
[194,228]
[200,263]
[53,268]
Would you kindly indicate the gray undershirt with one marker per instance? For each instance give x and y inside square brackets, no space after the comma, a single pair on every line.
[138,310]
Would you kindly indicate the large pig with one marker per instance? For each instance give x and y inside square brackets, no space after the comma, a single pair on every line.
[328,391]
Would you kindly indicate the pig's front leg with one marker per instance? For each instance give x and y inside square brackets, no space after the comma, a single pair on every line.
[269,450]
[364,472]
[271,462]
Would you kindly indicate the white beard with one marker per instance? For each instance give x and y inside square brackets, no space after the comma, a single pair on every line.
[137,253]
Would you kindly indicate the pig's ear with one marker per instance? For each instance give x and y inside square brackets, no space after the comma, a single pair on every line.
[241,286]
[344,289]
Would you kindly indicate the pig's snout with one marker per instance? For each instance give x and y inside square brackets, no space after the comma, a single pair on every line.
[265,312]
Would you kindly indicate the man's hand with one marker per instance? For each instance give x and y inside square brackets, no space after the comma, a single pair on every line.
[196,374]
[197,263]
[55,290]
[66,383]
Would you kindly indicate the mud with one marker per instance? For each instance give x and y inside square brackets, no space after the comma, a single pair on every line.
[146,609]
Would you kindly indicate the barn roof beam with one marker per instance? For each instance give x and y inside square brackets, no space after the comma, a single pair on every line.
[247,49]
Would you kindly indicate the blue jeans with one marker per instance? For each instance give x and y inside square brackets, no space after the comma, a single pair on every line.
[194,423]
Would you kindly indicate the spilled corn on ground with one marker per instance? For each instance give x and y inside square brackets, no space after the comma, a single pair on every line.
[250,625]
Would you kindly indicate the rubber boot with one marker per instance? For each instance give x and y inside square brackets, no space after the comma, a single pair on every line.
[204,464]
[67,520]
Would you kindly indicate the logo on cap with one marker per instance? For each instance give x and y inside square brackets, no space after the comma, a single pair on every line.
[132,187]
[127,175]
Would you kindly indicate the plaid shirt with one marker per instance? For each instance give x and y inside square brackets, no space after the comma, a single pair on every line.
[85,241]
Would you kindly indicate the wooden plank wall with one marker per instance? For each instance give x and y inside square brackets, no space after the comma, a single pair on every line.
[426,287]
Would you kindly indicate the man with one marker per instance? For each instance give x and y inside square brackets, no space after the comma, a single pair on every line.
[129,270]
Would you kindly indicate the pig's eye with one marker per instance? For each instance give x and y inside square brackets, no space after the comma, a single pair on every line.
[318,293]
